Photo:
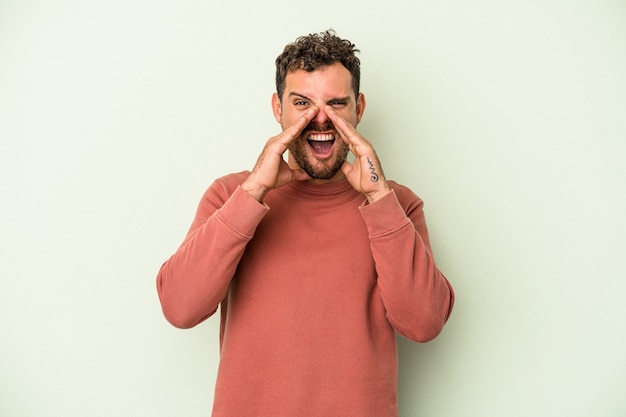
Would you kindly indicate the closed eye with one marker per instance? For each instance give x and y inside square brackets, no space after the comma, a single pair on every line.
[338,103]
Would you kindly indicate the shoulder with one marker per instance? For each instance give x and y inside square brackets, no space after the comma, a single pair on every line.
[223,187]
[231,181]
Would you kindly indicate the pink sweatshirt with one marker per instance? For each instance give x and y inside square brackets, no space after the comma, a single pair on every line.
[312,285]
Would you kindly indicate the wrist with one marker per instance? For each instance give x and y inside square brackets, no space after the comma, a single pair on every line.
[378,194]
[255,191]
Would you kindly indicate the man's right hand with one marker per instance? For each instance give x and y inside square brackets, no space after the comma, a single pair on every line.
[271,171]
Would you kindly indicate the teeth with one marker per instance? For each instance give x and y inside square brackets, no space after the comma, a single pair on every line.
[320,137]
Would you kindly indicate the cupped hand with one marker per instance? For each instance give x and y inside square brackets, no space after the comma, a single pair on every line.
[271,170]
[365,174]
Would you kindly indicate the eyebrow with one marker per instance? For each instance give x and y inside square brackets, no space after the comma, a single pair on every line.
[346,98]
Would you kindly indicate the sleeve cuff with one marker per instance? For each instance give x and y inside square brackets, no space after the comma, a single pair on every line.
[242,213]
[384,216]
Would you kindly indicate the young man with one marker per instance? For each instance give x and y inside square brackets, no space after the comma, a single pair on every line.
[315,262]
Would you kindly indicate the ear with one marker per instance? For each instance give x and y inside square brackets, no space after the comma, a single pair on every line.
[360,107]
[277,108]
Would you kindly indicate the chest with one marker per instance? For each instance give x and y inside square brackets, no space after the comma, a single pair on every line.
[301,248]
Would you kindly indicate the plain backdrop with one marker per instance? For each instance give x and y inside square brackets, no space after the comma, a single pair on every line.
[507,117]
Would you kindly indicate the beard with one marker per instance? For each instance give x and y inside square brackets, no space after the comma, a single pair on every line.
[320,169]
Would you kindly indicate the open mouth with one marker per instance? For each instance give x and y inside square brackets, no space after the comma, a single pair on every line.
[321,143]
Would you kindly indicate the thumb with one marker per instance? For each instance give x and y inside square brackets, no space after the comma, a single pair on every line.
[346,167]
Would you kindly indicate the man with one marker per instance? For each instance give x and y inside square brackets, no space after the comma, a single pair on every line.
[315,262]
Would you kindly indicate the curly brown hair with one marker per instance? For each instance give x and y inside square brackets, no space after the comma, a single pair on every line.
[316,51]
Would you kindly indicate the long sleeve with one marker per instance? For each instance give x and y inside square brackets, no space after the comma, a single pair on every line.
[418,299]
[195,279]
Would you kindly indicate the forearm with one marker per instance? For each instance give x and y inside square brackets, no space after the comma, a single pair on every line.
[417,297]
[193,282]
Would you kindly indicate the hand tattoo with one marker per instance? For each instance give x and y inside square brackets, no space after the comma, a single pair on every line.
[374,176]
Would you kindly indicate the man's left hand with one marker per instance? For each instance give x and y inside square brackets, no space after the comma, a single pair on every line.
[365,174]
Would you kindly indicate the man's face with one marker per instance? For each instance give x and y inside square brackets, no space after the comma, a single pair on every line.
[319,150]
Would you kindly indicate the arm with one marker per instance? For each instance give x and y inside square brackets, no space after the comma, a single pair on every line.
[193,282]
[417,297]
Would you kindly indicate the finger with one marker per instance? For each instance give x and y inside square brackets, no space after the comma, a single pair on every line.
[295,129]
[347,132]
[346,168]
[279,143]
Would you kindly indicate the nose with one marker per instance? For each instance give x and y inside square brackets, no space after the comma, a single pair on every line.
[321,118]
